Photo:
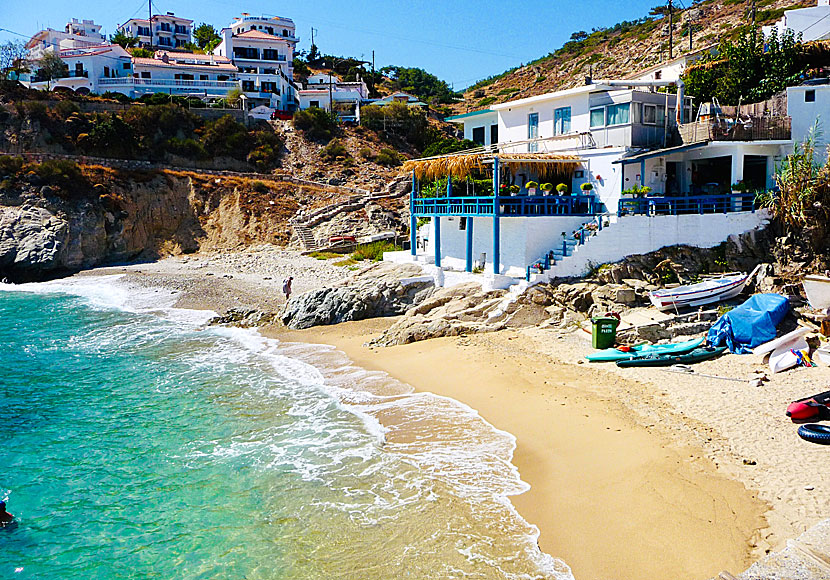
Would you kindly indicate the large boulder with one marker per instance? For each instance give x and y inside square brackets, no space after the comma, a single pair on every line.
[31,241]
[380,290]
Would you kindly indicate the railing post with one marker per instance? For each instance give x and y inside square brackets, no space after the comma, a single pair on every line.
[437,229]
[565,248]
[413,221]
[469,242]
[496,233]
[527,274]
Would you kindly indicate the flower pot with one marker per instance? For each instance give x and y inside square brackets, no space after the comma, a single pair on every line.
[531,191]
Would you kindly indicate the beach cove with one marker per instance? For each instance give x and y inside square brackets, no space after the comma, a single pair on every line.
[669,447]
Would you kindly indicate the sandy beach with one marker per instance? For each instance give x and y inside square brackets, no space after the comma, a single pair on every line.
[634,473]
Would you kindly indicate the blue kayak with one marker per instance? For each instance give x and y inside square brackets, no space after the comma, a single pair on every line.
[614,354]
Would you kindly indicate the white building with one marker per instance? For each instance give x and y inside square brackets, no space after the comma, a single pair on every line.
[671,70]
[809,105]
[76,34]
[177,73]
[481,127]
[87,68]
[160,31]
[810,23]
[607,140]
[324,89]
[262,49]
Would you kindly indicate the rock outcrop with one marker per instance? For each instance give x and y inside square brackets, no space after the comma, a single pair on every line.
[382,289]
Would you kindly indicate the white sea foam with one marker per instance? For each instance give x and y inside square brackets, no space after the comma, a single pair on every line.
[476,461]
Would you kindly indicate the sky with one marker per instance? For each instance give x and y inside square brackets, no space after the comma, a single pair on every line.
[460,41]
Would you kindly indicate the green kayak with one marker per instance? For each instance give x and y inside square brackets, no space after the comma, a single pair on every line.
[665,360]
[613,354]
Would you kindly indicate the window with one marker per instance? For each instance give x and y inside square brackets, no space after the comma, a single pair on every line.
[270,54]
[203,77]
[145,75]
[810,96]
[462,223]
[222,77]
[660,116]
[183,77]
[248,86]
[269,71]
[478,135]
[125,65]
[144,31]
[245,52]
[533,131]
[618,114]
[494,134]
[268,87]
[314,104]
[106,71]
[658,75]
[562,121]
[649,114]
[598,117]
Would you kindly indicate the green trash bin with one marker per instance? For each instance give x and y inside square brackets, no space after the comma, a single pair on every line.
[603,331]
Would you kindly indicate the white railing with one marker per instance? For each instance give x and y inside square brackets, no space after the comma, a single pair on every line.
[192,84]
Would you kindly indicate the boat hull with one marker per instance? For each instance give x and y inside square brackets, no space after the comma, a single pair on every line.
[817,289]
[695,356]
[688,296]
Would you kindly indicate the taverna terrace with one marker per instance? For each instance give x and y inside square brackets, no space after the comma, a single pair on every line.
[634,176]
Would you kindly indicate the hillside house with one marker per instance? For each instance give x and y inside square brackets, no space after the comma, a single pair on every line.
[262,48]
[328,92]
[86,68]
[77,34]
[481,127]
[602,141]
[202,76]
[812,23]
[671,70]
[160,31]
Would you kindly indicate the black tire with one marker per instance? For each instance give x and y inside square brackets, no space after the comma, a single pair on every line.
[815,433]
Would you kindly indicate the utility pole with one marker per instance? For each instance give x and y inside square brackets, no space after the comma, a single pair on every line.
[671,27]
[373,72]
[753,14]
[150,21]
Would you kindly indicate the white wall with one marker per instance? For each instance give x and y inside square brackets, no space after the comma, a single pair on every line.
[513,120]
[804,114]
[811,23]
[632,235]
[523,240]
[485,120]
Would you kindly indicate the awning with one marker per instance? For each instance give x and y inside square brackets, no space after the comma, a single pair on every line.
[461,165]
[660,153]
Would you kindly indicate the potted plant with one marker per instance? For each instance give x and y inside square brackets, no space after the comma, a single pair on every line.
[514,189]
[531,186]
[586,188]
[562,189]
[546,188]
[739,187]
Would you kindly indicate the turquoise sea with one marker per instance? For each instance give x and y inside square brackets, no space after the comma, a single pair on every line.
[138,443]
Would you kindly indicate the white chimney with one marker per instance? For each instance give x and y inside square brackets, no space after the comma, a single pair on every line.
[824,2]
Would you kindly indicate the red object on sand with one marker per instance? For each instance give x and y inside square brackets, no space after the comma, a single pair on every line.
[809,407]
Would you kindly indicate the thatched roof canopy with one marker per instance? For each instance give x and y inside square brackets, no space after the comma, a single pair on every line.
[462,166]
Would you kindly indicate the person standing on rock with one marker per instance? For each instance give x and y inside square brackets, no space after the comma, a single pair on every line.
[286,287]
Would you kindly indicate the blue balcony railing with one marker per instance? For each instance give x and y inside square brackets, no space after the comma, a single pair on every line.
[701,204]
[512,206]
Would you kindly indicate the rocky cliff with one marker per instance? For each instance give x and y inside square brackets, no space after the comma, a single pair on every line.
[107,216]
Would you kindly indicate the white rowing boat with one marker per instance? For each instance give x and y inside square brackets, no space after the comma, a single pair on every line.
[817,289]
[706,292]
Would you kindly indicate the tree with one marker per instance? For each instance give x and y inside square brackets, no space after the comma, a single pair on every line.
[419,82]
[50,66]
[13,60]
[661,10]
[206,36]
[579,36]
[123,40]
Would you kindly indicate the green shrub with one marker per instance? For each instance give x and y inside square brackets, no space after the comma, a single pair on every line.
[366,153]
[486,101]
[315,123]
[388,157]
[562,188]
[260,186]
[226,137]
[10,165]
[59,172]
[335,151]
[373,251]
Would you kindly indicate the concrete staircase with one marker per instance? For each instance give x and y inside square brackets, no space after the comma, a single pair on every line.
[562,251]
[305,235]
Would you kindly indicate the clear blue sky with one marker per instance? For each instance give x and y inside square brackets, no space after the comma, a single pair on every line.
[460,41]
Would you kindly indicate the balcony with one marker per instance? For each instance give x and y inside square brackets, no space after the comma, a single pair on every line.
[508,206]
[699,204]
[749,128]
[165,84]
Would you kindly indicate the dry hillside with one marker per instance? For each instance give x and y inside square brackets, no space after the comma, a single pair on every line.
[620,51]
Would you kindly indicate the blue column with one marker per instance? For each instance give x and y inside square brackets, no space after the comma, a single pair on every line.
[469,243]
[437,234]
[496,180]
[413,221]
[642,173]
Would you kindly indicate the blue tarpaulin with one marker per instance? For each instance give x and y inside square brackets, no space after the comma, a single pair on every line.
[750,324]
